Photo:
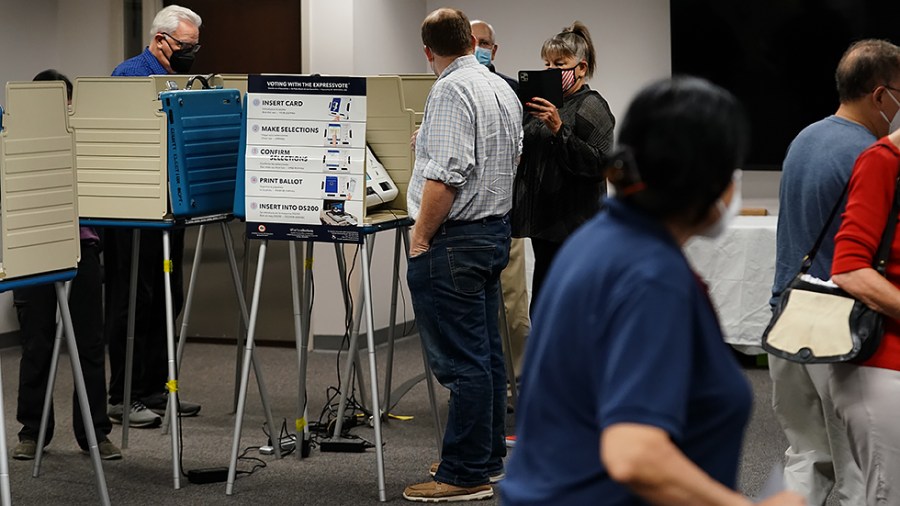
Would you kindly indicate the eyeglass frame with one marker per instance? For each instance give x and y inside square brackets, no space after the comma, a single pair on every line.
[184,46]
[484,44]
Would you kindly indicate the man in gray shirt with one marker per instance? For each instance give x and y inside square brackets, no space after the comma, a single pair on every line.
[816,170]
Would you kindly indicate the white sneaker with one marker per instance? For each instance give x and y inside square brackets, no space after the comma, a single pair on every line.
[139,416]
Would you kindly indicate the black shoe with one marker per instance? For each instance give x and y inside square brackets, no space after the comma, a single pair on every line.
[158,402]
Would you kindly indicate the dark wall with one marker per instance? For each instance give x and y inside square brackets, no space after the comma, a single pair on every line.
[247,37]
[777,56]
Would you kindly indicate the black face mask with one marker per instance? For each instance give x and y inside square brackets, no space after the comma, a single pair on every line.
[181,61]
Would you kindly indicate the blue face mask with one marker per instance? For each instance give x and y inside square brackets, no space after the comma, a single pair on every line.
[483,55]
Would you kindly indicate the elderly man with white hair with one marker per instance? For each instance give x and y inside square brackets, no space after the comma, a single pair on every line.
[174,41]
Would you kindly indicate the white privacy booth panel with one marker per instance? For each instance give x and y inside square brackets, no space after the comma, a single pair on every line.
[235,81]
[391,122]
[120,149]
[416,88]
[38,204]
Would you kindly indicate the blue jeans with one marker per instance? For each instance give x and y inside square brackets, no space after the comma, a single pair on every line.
[455,293]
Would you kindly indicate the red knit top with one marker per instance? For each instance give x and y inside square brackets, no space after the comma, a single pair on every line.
[870,197]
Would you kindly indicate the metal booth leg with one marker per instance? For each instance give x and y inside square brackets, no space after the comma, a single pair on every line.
[48,395]
[245,371]
[81,392]
[129,341]
[5,496]
[353,349]
[186,315]
[389,361]
[373,374]
[245,322]
[241,282]
[302,313]
[172,384]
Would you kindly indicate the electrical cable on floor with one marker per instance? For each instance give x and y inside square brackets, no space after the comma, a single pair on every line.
[329,414]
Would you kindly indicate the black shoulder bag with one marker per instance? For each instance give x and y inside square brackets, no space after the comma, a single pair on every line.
[815,323]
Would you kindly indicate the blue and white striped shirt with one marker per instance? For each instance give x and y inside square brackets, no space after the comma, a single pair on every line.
[470,139]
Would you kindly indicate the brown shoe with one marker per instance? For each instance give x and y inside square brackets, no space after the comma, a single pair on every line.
[107,450]
[434,491]
[25,449]
[494,478]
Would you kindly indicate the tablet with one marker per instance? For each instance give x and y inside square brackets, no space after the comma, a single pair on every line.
[546,84]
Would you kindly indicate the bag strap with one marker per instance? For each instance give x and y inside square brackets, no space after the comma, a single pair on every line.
[887,236]
[808,259]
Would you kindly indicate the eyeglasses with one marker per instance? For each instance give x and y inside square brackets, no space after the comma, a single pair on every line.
[486,44]
[184,46]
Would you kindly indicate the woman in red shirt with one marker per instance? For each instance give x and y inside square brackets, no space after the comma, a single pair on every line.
[867,395]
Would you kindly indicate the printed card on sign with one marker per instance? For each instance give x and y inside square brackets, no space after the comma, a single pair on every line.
[315,107]
[304,157]
[331,160]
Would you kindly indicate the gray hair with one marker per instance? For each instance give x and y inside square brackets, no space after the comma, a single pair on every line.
[167,20]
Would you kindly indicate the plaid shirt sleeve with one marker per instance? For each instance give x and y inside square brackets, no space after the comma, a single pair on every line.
[450,143]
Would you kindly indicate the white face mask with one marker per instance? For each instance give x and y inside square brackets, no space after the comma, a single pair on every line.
[726,214]
[893,124]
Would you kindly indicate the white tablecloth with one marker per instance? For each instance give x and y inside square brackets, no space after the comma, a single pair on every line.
[739,268]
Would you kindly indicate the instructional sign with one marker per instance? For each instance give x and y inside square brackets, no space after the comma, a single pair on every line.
[305,158]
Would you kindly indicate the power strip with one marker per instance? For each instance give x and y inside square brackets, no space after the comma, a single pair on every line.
[208,475]
[342,445]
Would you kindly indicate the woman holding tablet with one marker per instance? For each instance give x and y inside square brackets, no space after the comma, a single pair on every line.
[560,179]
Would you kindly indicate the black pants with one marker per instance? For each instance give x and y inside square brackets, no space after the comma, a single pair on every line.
[150,370]
[544,253]
[36,311]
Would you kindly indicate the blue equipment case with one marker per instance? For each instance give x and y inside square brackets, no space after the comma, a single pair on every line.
[204,132]
[239,188]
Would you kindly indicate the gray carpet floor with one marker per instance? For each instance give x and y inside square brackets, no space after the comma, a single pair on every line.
[144,476]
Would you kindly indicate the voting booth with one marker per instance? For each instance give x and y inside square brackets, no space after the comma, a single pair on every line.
[324,159]
[152,152]
[149,150]
[40,243]
[325,141]
[159,152]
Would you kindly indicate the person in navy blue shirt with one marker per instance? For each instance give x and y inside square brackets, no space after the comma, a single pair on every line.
[175,37]
[629,394]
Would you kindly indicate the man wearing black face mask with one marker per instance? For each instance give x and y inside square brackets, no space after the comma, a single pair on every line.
[175,37]
[175,40]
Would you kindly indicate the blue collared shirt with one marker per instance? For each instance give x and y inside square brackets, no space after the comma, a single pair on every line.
[623,332]
[144,64]
[470,139]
